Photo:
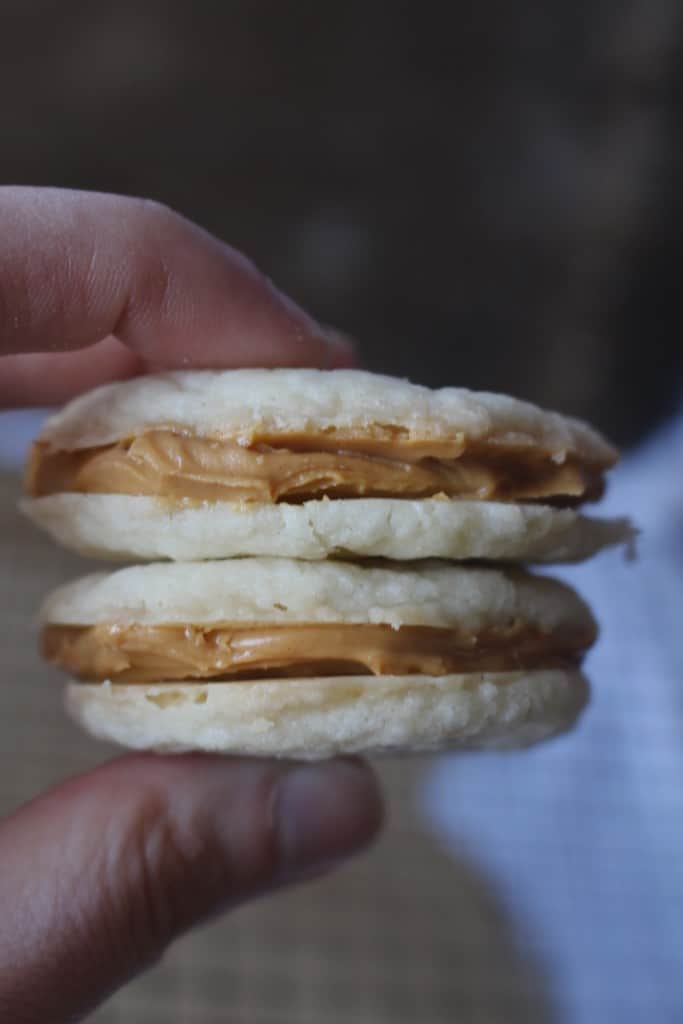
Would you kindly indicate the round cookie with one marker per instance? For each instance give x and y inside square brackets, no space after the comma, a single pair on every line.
[99,525]
[241,403]
[283,591]
[290,714]
[316,718]
[314,464]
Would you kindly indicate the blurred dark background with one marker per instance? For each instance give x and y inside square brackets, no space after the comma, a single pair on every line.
[483,193]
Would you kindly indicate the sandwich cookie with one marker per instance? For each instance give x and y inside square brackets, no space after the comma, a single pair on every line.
[310,659]
[313,464]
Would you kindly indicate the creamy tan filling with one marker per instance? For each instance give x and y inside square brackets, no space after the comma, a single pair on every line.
[141,654]
[173,465]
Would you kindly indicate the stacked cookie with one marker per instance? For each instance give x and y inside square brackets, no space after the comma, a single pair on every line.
[331,586]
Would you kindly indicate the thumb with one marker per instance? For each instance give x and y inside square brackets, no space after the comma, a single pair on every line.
[100,874]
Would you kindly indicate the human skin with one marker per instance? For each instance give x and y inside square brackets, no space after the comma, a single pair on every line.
[101,873]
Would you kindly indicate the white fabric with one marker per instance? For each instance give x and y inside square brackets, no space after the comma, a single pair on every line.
[18,427]
[581,840]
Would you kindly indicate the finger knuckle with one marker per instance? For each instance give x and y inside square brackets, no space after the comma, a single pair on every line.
[155,875]
[154,229]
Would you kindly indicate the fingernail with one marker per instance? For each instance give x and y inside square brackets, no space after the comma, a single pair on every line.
[342,352]
[324,813]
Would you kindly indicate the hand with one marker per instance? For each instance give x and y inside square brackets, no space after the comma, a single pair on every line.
[100,874]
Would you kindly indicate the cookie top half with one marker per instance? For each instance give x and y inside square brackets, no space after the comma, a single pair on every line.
[272,435]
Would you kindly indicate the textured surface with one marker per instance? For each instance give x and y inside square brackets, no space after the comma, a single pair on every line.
[314,718]
[99,525]
[241,403]
[280,590]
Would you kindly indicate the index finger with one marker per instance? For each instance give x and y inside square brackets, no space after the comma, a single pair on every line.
[77,267]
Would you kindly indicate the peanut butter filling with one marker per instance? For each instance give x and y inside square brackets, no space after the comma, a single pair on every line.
[168,464]
[146,654]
